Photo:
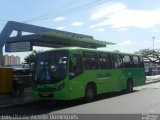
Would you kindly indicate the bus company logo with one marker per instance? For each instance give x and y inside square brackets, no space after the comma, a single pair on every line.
[102,76]
[40,86]
[149,117]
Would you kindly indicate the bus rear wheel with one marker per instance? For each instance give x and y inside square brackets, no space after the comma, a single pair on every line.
[90,93]
[129,86]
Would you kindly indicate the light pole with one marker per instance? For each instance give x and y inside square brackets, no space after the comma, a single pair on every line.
[153,55]
[153,41]
[153,46]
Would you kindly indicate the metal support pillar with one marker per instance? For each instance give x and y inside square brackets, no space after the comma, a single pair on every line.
[1,56]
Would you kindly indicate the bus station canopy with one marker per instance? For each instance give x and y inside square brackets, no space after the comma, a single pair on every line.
[52,39]
[42,36]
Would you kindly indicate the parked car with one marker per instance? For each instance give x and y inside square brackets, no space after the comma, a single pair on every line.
[22,69]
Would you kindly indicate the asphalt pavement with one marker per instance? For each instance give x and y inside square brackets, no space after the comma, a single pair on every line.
[7,100]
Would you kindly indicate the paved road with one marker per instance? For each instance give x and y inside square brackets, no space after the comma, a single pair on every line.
[144,99]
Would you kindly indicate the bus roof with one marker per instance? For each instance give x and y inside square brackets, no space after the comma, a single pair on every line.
[89,49]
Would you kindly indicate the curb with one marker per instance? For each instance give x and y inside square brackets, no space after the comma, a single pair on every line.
[154,81]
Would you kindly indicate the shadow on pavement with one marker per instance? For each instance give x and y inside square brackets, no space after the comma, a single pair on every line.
[44,107]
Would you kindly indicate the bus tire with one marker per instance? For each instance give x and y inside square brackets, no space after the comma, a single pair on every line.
[90,93]
[129,86]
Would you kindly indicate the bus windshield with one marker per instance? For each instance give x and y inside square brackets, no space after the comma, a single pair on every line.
[50,67]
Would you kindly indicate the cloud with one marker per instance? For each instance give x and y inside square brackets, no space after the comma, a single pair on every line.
[58,19]
[118,15]
[61,28]
[77,24]
[122,29]
[106,9]
[157,41]
[125,43]
[100,29]
[156,28]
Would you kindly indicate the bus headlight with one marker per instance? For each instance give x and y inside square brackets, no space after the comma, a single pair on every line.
[61,86]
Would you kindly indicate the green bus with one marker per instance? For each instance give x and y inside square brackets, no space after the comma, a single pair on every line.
[72,72]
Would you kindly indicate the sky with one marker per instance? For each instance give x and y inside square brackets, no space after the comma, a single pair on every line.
[130,24]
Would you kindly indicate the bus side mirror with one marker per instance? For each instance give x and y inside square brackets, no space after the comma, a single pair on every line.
[71,75]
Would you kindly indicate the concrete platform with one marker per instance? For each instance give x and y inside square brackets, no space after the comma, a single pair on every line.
[9,100]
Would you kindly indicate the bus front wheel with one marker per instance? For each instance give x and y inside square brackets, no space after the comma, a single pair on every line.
[90,93]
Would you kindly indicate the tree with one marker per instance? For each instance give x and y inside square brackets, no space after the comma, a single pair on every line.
[152,55]
[31,57]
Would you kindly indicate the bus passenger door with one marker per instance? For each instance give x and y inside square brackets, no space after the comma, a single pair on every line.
[75,76]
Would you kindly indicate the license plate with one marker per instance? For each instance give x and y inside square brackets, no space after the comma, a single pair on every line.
[45,94]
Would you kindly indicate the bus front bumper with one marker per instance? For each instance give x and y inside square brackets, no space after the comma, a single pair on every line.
[57,95]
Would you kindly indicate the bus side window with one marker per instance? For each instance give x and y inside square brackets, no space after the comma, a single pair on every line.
[76,69]
[135,61]
[141,63]
[127,61]
[117,61]
[90,60]
[79,68]
[105,60]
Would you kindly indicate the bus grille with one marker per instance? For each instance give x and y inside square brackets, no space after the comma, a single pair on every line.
[46,90]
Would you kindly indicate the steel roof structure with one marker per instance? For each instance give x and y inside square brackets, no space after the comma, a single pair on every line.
[46,37]
[52,39]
